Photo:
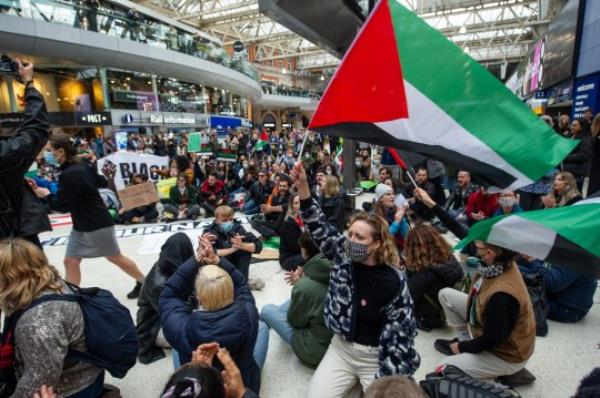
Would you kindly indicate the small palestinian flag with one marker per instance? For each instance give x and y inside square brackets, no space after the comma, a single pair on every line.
[402,84]
[263,143]
[226,155]
[566,236]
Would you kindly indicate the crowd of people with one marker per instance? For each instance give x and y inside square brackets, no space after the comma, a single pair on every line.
[363,282]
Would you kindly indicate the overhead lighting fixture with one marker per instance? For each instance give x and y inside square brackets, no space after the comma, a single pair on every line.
[149,82]
[467,50]
[112,82]
[322,77]
[128,78]
[463,30]
[283,70]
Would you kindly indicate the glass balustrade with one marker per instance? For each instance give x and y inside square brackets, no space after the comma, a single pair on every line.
[125,24]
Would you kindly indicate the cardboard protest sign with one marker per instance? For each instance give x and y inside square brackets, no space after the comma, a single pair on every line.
[138,195]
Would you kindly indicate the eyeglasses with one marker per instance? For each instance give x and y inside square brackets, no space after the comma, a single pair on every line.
[262,175]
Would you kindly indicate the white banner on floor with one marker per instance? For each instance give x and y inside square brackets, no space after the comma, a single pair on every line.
[192,228]
[129,163]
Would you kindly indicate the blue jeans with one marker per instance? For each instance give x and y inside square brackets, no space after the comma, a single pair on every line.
[250,207]
[260,347]
[94,390]
[262,344]
[276,318]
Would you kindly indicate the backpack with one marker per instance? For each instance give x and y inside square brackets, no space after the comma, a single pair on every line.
[110,335]
[536,287]
[451,382]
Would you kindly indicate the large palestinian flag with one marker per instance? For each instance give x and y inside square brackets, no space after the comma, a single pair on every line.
[566,236]
[403,84]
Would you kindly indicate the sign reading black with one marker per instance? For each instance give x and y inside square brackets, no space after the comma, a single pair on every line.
[238,46]
[61,119]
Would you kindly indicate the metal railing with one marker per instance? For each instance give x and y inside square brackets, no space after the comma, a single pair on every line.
[125,24]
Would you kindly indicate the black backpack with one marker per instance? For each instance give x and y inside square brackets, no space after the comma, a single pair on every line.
[110,334]
[536,287]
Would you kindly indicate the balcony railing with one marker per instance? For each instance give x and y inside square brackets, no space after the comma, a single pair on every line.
[132,25]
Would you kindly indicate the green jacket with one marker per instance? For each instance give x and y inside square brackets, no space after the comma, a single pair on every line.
[311,337]
[190,197]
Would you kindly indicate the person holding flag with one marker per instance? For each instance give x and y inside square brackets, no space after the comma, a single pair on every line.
[263,144]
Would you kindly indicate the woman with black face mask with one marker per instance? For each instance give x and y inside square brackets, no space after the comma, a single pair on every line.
[368,306]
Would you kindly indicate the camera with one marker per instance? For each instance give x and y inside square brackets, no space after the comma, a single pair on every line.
[8,66]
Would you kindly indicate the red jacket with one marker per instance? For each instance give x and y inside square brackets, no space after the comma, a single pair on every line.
[478,201]
[218,190]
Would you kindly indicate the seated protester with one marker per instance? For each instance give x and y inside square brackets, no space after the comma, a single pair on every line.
[231,241]
[385,208]
[480,205]
[319,183]
[274,210]
[368,306]
[259,193]
[456,204]
[226,312]
[497,314]
[430,267]
[212,194]
[395,387]
[569,294]
[509,204]
[564,191]
[333,203]
[43,334]
[290,255]
[142,214]
[417,207]
[200,378]
[250,177]
[183,199]
[174,252]
[299,321]
[179,165]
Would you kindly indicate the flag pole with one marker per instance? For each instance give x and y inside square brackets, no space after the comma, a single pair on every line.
[410,177]
[302,146]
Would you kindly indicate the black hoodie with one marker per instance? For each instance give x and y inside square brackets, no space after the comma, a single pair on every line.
[174,252]
[429,282]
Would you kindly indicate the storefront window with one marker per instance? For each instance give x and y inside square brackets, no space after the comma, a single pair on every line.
[131,90]
[178,96]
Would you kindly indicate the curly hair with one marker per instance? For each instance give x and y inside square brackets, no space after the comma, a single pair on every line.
[387,253]
[425,248]
[24,274]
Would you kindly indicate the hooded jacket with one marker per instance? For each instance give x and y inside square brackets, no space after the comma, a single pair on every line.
[17,153]
[224,238]
[234,327]
[311,337]
[174,252]
[429,282]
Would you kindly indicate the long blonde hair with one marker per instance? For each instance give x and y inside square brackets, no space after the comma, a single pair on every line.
[571,192]
[387,253]
[24,274]
[332,186]
[214,288]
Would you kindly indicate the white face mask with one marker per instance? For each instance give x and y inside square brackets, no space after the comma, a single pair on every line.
[507,202]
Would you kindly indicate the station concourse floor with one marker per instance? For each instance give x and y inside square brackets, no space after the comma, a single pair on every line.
[560,360]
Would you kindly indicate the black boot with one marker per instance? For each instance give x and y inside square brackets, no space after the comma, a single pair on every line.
[135,293]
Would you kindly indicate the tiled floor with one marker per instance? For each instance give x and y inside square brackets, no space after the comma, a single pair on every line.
[560,360]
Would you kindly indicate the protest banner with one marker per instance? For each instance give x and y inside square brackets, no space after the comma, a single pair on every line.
[129,163]
[138,195]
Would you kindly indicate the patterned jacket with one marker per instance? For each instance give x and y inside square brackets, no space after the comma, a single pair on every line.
[397,354]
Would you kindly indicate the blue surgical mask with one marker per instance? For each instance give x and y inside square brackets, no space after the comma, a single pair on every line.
[50,159]
[226,226]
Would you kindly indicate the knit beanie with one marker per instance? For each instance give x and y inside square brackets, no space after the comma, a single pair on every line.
[382,189]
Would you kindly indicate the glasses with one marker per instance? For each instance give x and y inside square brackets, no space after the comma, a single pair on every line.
[262,175]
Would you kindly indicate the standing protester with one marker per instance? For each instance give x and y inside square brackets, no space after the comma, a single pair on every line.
[579,160]
[595,166]
[368,305]
[18,151]
[93,233]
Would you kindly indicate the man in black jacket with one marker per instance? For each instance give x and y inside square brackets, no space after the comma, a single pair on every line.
[17,153]
[259,193]
[231,240]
